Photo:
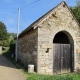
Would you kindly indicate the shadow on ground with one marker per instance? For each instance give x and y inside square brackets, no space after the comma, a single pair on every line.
[7,60]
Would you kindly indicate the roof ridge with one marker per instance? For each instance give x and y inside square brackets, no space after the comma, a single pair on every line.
[39,19]
[35,23]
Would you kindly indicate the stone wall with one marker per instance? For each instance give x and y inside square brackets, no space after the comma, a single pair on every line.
[27,47]
[36,47]
[60,19]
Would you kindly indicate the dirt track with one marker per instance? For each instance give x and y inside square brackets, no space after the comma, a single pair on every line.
[8,71]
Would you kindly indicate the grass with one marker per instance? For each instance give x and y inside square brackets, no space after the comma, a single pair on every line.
[34,76]
[8,55]
[57,77]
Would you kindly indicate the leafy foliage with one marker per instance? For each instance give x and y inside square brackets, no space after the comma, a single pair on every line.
[12,35]
[76,12]
[1,43]
[6,43]
[78,3]
[3,35]
[12,46]
[3,32]
[7,53]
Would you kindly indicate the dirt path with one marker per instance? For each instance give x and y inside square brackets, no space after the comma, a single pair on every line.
[8,71]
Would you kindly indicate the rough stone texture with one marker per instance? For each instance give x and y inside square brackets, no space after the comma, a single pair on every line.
[28,49]
[62,21]
[36,47]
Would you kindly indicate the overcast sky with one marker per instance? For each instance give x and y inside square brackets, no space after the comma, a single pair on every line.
[9,11]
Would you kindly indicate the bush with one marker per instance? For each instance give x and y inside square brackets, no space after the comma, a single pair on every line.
[1,43]
[12,46]
[5,43]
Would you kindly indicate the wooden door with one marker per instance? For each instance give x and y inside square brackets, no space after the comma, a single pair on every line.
[61,58]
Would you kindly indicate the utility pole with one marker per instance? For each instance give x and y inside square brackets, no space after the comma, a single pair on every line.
[16,54]
[16,51]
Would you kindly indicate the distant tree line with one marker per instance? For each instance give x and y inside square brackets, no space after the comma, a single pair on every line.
[5,37]
[12,35]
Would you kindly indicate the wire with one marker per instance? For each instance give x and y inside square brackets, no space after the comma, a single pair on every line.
[30,4]
[26,6]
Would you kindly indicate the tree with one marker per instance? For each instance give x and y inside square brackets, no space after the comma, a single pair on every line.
[3,34]
[12,35]
[76,12]
[78,3]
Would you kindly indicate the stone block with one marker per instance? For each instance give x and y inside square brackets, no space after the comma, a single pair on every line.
[42,57]
[50,45]
[46,62]
[34,53]
[50,55]
[78,51]
[44,45]
[47,57]
[41,71]
[44,67]
[50,66]
[49,70]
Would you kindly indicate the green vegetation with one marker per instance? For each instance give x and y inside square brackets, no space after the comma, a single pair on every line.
[76,10]
[12,46]
[53,77]
[3,35]
[8,54]
[3,32]
[13,35]
[33,76]
[78,3]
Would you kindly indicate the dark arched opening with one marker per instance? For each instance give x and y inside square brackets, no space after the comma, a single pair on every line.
[63,60]
[61,38]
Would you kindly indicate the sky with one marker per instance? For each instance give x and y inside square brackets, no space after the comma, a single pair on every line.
[28,14]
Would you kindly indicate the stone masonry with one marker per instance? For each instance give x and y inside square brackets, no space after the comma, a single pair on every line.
[28,49]
[36,47]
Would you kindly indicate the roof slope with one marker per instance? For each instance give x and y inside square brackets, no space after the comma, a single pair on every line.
[44,16]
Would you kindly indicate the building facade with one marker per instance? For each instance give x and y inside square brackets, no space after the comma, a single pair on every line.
[52,43]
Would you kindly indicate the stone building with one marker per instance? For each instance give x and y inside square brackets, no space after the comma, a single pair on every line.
[52,43]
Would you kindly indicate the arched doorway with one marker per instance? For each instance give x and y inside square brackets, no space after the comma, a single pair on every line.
[63,60]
